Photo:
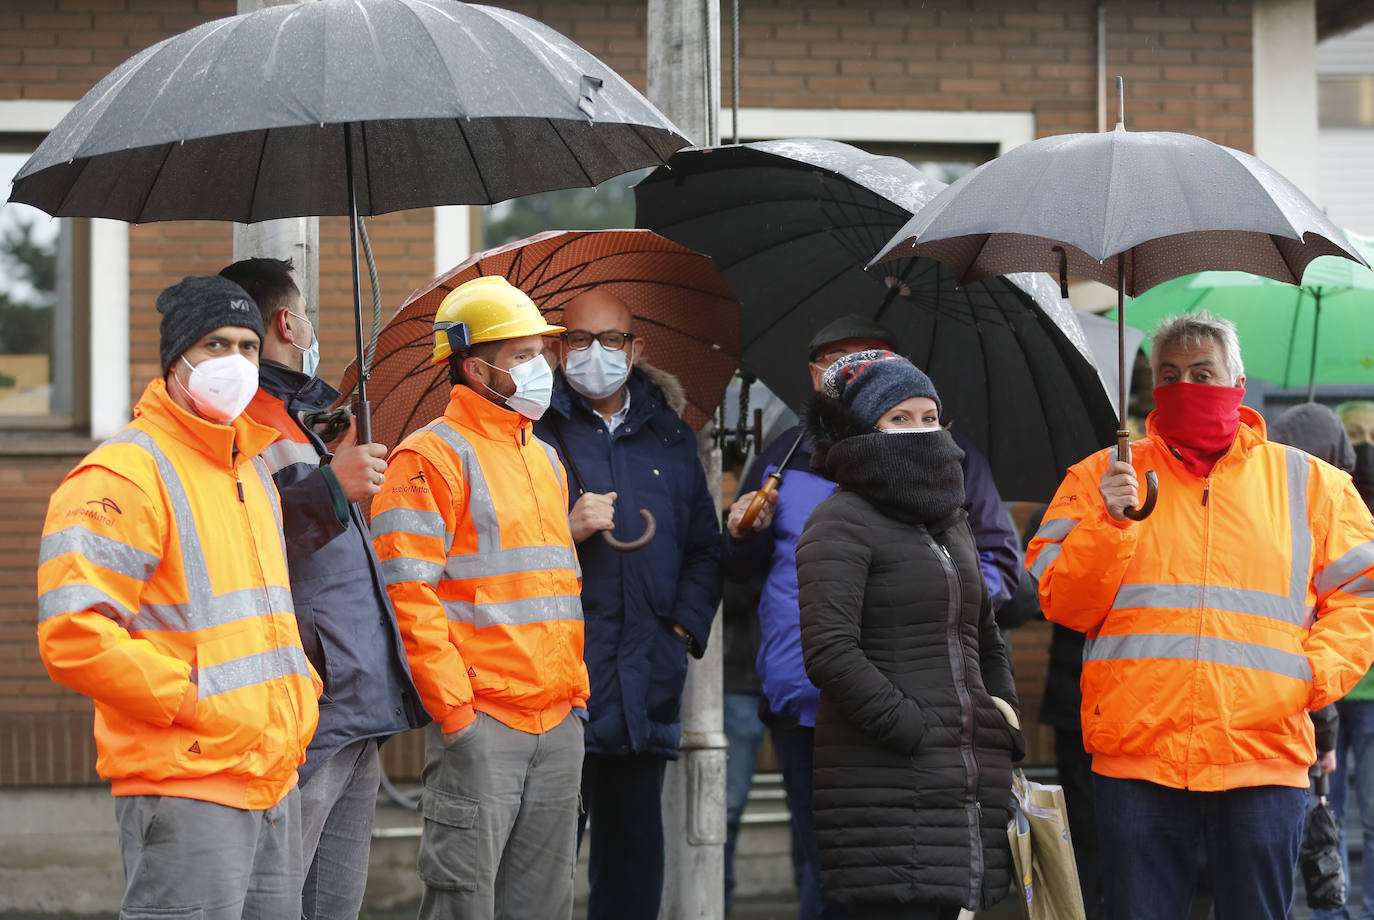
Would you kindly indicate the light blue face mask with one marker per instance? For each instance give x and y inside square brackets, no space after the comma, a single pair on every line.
[310,357]
[597,372]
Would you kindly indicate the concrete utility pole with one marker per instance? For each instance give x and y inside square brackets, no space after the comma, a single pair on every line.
[684,81]
[294,238]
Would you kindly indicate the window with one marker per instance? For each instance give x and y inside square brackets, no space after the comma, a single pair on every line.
[41,303]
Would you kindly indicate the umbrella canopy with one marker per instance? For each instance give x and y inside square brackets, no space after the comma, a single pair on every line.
[254,117]
[683,309]
[791,224]
[1169,204]
[1315,333]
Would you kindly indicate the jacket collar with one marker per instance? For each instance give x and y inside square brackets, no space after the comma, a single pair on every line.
[646,399]
[294,388]
[473,411]
[215,441]
[1249,434]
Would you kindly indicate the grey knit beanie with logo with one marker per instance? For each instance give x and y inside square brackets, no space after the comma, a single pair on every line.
[200,304]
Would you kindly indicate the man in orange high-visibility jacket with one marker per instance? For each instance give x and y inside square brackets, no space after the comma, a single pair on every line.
[472,529]
[163,596]
[1213,626]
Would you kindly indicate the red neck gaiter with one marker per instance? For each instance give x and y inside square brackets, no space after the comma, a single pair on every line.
[1198,421]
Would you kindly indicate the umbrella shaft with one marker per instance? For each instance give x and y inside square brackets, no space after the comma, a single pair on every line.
[364,410]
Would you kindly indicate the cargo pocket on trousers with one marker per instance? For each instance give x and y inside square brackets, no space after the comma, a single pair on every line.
[448,849]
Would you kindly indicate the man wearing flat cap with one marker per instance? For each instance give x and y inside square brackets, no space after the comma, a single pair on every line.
[163,595]
[766,552]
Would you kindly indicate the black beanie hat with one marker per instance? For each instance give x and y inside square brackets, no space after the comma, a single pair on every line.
[869,383]
[200,304]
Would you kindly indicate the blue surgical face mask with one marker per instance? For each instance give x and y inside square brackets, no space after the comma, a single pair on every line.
[310,356]
[596,372]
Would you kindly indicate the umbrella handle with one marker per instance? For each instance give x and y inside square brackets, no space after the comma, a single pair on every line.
[1123,453]
[624,546]
[1151,493]
[770,485]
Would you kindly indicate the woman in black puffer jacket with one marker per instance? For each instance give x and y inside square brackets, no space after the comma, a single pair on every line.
[912,755]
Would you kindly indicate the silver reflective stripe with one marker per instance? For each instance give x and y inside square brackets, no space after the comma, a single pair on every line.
[103,551]
[516,613]
[282,453]
[410,521]
[192,556]
[1362,587]
[75,598]
[1056,529]
[1199,648]
[1345,568]
[258,668]
[1300,533]
[216,610]
[481,509]
[510,561]
[404,568]
[1048,554]
[269,489]
[553,460]
[202,608]
[1236,600]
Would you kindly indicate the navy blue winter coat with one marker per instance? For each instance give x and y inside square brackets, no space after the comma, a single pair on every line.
[631,601]
[347,626]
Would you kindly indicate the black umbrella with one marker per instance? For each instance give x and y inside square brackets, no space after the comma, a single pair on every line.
[1128,209]
[343,107]
[1319,858]
[791,225]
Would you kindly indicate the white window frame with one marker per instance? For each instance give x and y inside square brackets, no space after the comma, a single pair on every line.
[1004,129]
[108,321]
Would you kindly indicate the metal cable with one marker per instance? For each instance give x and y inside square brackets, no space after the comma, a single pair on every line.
[376,295]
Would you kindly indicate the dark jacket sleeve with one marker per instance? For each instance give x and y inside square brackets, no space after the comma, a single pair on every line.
[699,581]
[308,516]
[999,555]
[833,558]
[1327,723]
[745,559]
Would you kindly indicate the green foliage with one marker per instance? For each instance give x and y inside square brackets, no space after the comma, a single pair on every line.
[26,319]
[610,205]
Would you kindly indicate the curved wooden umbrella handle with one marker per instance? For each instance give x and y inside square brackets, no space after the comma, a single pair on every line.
[751,511]
[627,546]
[1151,493]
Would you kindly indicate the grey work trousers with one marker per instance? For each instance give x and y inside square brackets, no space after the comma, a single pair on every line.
[338,805]
[500,829]
[184,858]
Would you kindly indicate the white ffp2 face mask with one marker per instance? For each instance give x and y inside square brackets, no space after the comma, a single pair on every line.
[597,372]
[221,388]
[533,387]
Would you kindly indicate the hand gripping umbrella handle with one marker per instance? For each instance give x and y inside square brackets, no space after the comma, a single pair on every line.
[751,511]
[1123,453]
[626,546]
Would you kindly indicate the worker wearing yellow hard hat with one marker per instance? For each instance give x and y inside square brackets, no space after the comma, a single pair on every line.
[471,526]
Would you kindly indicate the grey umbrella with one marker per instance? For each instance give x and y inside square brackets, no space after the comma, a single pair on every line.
[1129,209]
[343,107]
[791,225]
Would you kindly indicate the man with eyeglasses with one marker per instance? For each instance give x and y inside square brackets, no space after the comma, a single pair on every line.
[614,421]
[767,550]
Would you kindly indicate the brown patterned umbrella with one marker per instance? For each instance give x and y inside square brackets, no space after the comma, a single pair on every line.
[682,307]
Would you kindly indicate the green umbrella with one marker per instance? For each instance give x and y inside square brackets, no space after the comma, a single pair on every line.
[1319,332]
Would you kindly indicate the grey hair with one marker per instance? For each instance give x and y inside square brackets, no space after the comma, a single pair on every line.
[1354,405]
[1194,329]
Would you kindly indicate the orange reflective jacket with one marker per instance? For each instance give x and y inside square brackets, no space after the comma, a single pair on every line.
[162,562]
[1214,625]
[472,529]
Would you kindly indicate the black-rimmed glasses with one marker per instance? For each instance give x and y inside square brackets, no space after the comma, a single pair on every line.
[611,340]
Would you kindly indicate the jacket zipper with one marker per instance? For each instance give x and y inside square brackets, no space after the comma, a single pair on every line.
[1197,633]
[955,644]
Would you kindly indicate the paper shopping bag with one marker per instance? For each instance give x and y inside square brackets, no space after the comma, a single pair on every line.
[1052,892]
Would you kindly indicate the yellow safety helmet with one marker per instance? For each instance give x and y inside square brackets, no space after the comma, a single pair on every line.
[492,309]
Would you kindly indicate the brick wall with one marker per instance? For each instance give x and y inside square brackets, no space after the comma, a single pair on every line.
[1187,66]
